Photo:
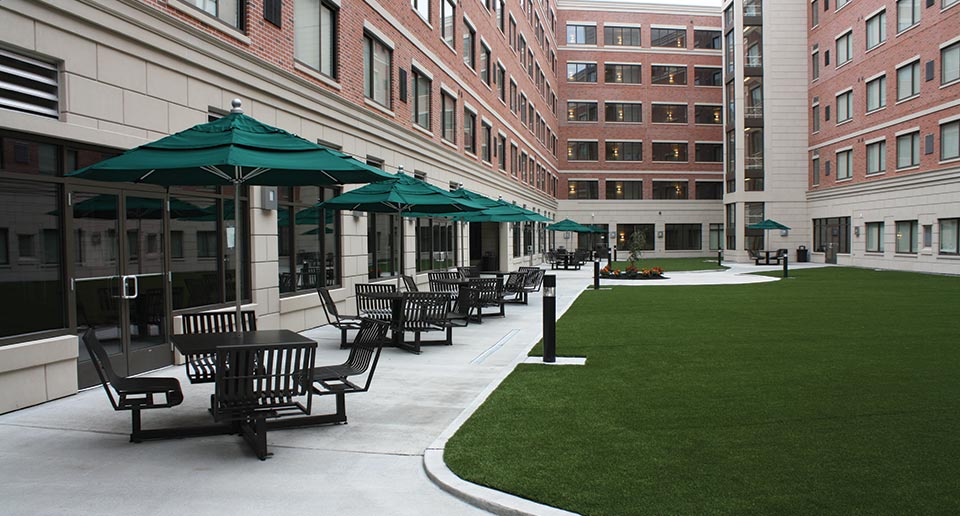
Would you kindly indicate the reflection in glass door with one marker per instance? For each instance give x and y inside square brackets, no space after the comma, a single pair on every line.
[119,280]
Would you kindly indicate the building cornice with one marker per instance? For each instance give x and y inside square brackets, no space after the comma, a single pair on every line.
[637,7]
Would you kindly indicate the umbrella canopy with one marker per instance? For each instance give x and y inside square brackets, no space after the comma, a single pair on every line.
[234,150]
[401,195]
[503,212]
[569,225]
[767,224]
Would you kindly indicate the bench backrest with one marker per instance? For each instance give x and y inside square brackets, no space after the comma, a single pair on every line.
[410,283]
[424,310]
[489,290]
[366,303]
[219,322]
[469,271]
[262,378]
[444,282]
[101,362]
[329,307]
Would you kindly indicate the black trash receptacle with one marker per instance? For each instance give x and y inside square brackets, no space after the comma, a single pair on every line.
[802,255]
[488,262]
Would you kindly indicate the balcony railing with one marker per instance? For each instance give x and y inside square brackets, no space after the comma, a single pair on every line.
[753,162]
[753,112]
[752,10]
[753,61]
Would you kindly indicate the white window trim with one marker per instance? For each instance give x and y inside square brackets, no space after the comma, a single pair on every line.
[375,32]
[621,64]
[678,65]
[594,101]
[675,27]
[706,141]
[449,91]
[867,17]
[581,62]
[208,19]
[949,119]
[950,42]
[915,129]
[670,141]
[909,61]
[572,22]
[875,140]
[623,25]
[874,77]
[320,76]
[422,70]
[709,28]
[841,92]
[469,22]
[469,108]
[843,149]
[842,34]
[622,141]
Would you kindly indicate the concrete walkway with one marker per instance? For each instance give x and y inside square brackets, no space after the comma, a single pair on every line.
[72,456]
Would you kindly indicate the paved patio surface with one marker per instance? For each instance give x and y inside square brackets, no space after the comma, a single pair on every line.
[72,456]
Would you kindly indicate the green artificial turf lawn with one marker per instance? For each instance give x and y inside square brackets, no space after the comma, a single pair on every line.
[836,391]
[672,264]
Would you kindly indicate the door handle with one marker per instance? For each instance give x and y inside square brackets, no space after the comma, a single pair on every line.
[126,281]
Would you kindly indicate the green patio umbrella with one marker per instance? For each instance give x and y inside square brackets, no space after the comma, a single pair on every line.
[569,225]
[503,212]
[403,195]
[766,225]
[234,150]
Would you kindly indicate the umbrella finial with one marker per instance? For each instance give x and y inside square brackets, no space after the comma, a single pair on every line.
[399,169]
[236,106]
[459,186]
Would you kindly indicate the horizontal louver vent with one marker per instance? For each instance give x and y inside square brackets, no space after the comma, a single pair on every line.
[28,85]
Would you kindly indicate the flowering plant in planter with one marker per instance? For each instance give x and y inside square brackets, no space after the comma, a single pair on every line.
[632,272]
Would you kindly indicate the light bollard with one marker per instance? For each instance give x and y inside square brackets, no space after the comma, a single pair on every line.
[719,257]
[549,319]
[596,275]
[786,273]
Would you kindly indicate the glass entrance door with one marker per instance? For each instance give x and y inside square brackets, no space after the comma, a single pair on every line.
[119,277]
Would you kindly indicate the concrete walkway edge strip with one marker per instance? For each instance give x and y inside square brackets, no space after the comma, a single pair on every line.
[488,499]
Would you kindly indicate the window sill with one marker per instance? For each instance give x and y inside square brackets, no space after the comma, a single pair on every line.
[950,160]
[379,107]
[905,255]
[615,122]
[907,99]
[874,174]
[449,143]
[845,63]
[942,256]
[312,72]
[878,45]
[698,124]
[844,180]
[208,19]
[911,167]
[423,130]
[847,121]
[471,154]
[581,121]
[953,82]
[908,29]
[672,161]
[670,85]
[877,110]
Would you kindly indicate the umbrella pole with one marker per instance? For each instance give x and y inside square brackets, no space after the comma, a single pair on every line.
[399,246]
[238,242]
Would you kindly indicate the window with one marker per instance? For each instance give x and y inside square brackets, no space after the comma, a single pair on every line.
[623,112]
[644,232]
[908,14]
[377,66]
[949,236]
[315,35]
[708,152]
[834,231]
[469,46]
[707,76]
[577,189]
[448,106]
[815,169]
[624,151]
[230,12]
[876,29]
[950,140]
[874,237]
[675,38]
[908,80]
[753,213]
[815,64]
[382,252]
[876,157]
[907,236]
[716,236]
[582,111]
[308,239]
[581,151]
[582,72]
[683,237]
[517,246]
[513,96]
[621,36]
[502,151]
[448,9]
[815,114]
[581,34]
[621,73]
[709,39]
[673,151]
[950,63]
[844,49]
[844,107]
[485,141]
[814,13]
[502,82]
[947,3]
[669,189]
[421,99]
[669,113]
[668,75]
[30,209]
[501,13]
[624,190]
[709,189]
[469,131]
[436,243]
[877,93]
[485,64]
[422,7]
[731,226]
[708,114]
[844,164]
[908,150]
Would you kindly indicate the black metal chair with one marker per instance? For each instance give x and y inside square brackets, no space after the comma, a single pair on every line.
[202,367]
[489,293]
[410,283]
[257,382]
[133,394]
[469,271]
[426,312]
[343,323]
[513,288]
[364,354]
[373,307]
[448,282]
[532,281]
